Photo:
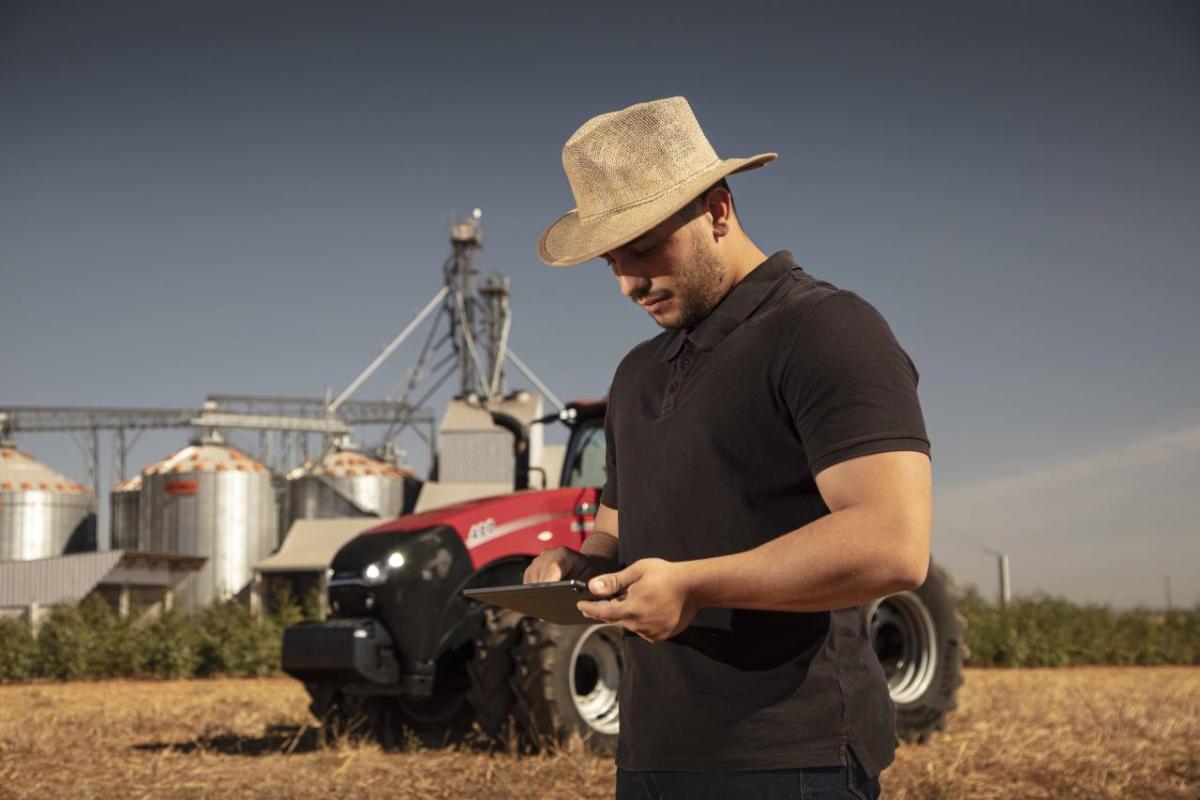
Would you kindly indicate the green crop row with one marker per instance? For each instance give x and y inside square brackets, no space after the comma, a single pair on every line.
[1052,632]
[89,641]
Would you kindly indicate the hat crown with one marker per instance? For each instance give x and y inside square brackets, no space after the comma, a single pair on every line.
[633,155]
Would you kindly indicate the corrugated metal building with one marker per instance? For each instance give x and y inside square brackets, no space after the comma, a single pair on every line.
[472,448]
[131,582]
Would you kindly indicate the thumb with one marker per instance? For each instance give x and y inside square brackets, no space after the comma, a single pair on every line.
[613,583]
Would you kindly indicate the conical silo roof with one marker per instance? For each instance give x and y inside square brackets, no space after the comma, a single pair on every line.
[20,471]
[206,457]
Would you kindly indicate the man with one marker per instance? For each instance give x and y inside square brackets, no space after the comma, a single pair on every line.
[768,474]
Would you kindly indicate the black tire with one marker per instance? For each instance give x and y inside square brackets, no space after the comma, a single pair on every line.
[342,717]
[490,671]
[918,638]
[397,722]
[565,685]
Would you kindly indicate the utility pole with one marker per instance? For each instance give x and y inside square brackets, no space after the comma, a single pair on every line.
[1005,583]
[1167,589]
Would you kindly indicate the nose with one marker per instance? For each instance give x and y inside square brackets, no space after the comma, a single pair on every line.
[630,283]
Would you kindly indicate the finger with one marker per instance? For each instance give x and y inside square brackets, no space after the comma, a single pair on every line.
[614,582]
[542,570]
[605,610]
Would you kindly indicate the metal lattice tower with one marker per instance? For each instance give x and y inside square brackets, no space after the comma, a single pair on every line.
[478,319]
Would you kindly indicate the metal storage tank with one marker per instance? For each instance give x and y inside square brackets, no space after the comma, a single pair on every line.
[123,503]
[42,514]
[346,483]
[209,499]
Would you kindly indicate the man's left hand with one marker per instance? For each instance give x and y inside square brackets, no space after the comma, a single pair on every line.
[650,597]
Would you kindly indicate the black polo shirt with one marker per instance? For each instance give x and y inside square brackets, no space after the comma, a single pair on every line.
[713,438]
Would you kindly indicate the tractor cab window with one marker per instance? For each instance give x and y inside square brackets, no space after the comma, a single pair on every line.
[585,454]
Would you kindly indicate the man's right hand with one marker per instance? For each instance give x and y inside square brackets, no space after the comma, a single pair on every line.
[563,563]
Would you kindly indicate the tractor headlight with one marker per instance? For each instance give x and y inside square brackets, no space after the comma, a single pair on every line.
[377,572]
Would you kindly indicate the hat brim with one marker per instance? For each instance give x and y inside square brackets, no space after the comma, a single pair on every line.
[571,240]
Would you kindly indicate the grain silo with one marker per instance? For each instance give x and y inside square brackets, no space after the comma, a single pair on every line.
[42,514]
[210,500]
[346,483]
[123,504]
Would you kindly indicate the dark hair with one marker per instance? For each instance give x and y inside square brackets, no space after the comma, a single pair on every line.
[694,208]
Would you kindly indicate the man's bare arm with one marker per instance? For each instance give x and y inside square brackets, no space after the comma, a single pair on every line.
[874,542]
[597,554]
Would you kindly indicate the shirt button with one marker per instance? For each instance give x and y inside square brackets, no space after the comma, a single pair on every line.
[674,387]
[685,363]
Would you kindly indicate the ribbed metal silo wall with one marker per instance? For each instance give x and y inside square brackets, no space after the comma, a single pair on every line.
[42,514]
[226,514]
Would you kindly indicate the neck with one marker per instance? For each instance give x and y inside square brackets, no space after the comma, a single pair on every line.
[743,257]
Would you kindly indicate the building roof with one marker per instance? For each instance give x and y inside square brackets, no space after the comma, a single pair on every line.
[437,494]
[311,543]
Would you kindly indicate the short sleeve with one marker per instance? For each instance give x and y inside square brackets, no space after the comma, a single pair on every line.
[609,494]
[849,387]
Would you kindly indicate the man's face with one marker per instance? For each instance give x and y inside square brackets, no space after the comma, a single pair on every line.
[673,271]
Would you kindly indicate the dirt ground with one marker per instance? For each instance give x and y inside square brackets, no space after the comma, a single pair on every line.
[1061,733]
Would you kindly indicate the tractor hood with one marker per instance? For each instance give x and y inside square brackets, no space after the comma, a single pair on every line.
[521,523]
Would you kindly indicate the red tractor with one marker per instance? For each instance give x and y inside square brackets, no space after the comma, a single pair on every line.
[404,653]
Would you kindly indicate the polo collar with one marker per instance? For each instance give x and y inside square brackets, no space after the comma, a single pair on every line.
[736,306]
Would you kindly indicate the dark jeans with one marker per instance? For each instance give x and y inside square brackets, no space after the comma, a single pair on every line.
[811,783]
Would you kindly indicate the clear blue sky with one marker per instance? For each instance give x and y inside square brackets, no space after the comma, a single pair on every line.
[253,197]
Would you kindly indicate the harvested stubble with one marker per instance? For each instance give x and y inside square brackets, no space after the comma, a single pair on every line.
[1055,733]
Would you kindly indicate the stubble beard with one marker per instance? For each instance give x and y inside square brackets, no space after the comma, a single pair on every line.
[699,288]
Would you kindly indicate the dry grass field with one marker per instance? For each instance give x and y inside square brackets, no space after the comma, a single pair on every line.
[1061,733]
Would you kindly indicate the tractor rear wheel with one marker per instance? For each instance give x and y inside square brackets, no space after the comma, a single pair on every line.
[565,684]
[918,637]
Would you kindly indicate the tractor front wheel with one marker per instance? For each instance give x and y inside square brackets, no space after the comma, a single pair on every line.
[395,722]
[490,671]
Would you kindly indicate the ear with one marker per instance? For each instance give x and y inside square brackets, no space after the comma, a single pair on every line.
[718,203]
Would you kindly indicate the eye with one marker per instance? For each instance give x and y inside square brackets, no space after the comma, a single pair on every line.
[647,249]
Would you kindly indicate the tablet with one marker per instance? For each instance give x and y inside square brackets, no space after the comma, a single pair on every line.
[553,602]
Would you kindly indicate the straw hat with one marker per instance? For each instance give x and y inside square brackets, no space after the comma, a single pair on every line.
[629,170]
